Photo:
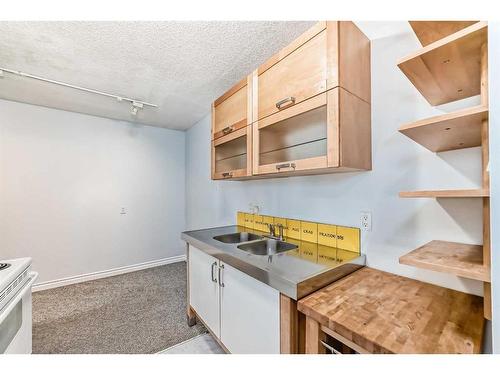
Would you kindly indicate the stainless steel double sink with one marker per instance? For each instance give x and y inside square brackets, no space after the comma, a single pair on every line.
[255,244]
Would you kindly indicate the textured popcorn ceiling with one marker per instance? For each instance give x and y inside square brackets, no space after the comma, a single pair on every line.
[181,66]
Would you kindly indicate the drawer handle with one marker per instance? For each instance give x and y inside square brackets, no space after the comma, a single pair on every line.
[282,102]
[227,130]
[214,279]
[221,268]
[285,165]
[331,349]
[227,174]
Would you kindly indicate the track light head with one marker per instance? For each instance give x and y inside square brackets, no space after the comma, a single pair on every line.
[135,108]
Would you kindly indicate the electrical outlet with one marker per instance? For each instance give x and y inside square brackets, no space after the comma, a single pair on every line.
[366,221]
[254,208]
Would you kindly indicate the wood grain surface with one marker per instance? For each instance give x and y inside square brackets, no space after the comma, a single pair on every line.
[451,257]
[448,69]
[430,31]
[386,313]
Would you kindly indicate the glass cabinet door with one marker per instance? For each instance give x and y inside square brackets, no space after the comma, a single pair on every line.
[230,155]
[293,141]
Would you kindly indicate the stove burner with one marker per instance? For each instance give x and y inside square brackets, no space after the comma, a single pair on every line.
[4,265]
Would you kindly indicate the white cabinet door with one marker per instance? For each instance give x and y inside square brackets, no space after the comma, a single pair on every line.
[250,321]
[204,288]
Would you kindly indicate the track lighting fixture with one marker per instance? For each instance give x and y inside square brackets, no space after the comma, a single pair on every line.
[136,104]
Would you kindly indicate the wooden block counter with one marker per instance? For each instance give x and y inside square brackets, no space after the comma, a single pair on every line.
[370,311]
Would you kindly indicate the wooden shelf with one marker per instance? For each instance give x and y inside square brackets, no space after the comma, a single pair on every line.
[451,131]
[449,257]
[470,193]
[448,69]
[430,31]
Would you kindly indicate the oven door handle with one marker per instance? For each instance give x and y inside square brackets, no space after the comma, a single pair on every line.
[19,295]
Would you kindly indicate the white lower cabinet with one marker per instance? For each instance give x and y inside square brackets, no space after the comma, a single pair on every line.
[248,311]
[204,289]
[250,314]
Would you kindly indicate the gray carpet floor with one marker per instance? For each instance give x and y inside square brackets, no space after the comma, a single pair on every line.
[138,312]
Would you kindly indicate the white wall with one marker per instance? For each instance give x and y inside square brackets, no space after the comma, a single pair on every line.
[399,225]
[64,178]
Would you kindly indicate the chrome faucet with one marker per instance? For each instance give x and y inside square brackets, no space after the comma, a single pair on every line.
[272,231]
[280,232]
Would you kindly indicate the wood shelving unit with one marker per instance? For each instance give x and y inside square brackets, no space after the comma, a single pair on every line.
[451,131]
[444,70]
[451,257]
[464,193]
[448,69]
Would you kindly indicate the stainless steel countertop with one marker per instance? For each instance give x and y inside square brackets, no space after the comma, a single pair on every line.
[295,273]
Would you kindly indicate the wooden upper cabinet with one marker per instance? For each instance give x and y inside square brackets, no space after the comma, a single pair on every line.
[231,132]
[330,132]
[304,111]
[329,55]
[232,111]
[297,76]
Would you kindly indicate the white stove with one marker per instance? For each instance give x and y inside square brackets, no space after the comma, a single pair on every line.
[16,280]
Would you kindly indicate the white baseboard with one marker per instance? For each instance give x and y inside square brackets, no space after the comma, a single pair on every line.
[106,273]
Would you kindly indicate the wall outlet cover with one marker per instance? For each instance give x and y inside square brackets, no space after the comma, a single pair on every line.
[366,221]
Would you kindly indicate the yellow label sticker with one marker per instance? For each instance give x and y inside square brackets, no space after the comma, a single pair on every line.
[258,223]
[327,235]
[327,255]
[309,251]
[267,220]
[348,239]
[240,219]
[249,221]
[282,221]
[309,231]
[293,228]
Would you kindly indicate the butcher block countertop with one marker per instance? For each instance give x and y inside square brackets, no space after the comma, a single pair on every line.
[386,313]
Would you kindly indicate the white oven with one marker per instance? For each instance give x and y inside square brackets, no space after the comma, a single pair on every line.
[16,280]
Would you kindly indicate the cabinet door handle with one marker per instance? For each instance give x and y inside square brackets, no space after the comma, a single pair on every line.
[281,104]
[221,268]
[227,130]
[285,165]
[227,174]
[213,277]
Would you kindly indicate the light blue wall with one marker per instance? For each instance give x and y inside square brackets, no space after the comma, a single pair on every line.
[64,178]
[399,225]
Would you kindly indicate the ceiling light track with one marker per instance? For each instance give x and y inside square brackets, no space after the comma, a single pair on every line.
[136,104]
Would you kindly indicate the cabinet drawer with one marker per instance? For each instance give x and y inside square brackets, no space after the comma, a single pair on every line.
[231,111]
[298,76]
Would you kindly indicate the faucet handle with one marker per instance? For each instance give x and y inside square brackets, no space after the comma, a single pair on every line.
[272,231]
[280,231]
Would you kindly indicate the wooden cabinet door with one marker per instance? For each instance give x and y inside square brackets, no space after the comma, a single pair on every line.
[296,77]
[232,111]
[204,288]
[250,314]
